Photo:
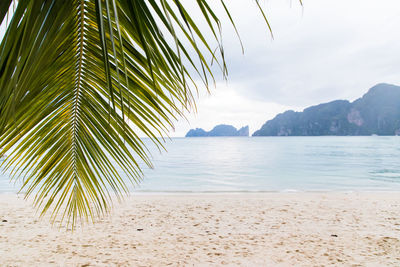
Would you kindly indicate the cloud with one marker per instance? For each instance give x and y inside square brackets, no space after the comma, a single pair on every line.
[227,106]
[325,50]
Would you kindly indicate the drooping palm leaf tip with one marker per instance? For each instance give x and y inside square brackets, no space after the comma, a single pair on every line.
[76,75]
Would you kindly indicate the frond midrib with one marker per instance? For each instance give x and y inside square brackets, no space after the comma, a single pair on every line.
[78,85]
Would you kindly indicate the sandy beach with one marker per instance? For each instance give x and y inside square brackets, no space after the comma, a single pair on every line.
[269,229]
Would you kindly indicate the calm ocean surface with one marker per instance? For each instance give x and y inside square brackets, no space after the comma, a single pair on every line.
[238,164]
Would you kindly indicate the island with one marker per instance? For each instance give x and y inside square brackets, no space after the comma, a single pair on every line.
[219,130]
[375,113]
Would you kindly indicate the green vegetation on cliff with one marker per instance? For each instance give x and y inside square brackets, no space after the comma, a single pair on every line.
[377,112]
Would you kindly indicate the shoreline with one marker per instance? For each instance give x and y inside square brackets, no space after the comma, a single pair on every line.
[302,229]
[287,191]
[188,192]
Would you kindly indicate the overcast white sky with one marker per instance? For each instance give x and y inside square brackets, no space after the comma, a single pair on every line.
[325,50]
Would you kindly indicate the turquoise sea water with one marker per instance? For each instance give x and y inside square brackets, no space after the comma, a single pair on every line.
[238,164]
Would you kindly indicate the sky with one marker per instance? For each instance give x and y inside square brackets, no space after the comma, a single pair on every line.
[321,51]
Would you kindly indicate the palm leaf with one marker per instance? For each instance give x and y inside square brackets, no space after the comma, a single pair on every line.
[74,75]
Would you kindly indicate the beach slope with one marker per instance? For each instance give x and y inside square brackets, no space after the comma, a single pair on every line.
[303,229]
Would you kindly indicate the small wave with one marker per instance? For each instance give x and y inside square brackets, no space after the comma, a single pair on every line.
[289,190]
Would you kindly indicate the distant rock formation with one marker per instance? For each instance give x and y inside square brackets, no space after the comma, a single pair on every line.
[219,130]
[377,112]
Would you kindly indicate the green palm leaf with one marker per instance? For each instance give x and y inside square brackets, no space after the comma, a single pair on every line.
[75,75]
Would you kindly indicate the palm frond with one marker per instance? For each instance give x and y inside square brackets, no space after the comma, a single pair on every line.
[75,74]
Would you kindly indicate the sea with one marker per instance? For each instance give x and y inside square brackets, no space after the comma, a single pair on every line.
[267,164]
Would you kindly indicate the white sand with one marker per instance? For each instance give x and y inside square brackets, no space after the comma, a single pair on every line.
[211,230]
